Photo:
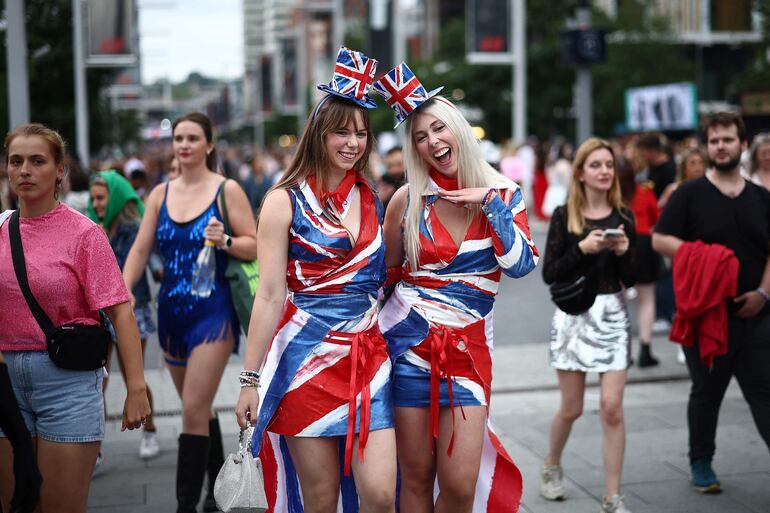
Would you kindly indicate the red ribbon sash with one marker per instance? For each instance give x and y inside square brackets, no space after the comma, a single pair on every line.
[448,183]
[338,196]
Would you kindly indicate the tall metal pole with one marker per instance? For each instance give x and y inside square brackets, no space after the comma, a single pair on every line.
[259,117]
[302,75]
[399,45]
[519,100]
[81,97]
[338,22]
[399,49]
[584,86]
[16,55]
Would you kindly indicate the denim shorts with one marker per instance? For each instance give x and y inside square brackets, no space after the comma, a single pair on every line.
[58,405]
[144,320]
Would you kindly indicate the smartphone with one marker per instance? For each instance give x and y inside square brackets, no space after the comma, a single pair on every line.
[612,232]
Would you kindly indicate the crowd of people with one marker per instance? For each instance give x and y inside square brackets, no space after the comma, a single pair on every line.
[367,371]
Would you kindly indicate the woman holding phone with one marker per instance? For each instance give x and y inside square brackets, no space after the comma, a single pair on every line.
[593,229]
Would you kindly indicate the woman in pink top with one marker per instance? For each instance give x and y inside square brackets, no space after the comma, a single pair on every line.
[73,274]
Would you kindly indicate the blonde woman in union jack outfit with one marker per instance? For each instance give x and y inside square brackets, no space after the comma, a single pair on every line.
[322,402]
[450,233]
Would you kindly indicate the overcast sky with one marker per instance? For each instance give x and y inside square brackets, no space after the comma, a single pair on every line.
[178,37]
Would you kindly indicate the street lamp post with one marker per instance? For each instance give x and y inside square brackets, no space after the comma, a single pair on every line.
[519,100]
[16,55]
[81,99]
[584,85]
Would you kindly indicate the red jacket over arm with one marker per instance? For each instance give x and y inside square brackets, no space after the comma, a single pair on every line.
[705,275]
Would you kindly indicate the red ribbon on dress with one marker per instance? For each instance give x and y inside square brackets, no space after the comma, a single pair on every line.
[394,276]
[338,196]
[360,348]
[443,340]
[448,183]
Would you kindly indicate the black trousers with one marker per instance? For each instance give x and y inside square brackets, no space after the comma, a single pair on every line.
[748,358]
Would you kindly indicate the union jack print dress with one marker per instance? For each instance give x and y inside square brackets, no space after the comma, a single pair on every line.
[438,325]
[327,371]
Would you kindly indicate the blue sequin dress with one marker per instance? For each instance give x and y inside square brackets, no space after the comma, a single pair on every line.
[184,320]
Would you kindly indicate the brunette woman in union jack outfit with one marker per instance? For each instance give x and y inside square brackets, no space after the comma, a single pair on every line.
[322,403]
[450,233]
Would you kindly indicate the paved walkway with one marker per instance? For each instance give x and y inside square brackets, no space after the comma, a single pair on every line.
[525,396]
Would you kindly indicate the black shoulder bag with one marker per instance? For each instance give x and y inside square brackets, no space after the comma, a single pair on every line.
[71,346]
[577,295]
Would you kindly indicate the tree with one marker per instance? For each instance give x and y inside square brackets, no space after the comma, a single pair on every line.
[51,78]
[485,86]
[549,79]
[757,76]
[651,60]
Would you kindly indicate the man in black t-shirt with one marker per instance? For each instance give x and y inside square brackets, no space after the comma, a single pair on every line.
[661,169]
[723,208]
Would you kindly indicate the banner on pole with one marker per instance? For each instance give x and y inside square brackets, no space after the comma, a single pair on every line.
[266,70]
[110,29]
[488,31]
[662,107]
[288,63]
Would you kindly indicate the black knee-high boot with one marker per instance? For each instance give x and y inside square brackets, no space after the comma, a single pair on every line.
[216,460]
[190,469]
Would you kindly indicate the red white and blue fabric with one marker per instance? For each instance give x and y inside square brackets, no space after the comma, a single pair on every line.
[403,91]
[438,325]
[352,78]
[327,371]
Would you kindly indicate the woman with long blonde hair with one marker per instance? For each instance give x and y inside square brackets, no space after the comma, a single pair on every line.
[450,233]
[593,233]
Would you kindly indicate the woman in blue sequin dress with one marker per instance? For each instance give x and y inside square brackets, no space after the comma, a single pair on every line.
[196,334]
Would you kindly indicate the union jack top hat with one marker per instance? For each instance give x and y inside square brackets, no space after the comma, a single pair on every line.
[403,91]
[352,79]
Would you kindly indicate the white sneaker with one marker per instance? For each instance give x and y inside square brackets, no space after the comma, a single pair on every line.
[680,358]
[614,505]
[661,327]
[99,467]
[149,447]
[551,485]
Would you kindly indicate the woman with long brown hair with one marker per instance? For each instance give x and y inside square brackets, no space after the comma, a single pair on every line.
[318,356]
[197,333]
[593,230]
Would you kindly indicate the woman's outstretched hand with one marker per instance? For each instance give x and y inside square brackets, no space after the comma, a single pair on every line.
[461,197]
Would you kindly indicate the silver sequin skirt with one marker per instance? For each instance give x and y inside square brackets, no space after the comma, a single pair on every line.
[598,340]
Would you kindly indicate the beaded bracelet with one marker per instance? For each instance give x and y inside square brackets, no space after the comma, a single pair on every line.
[488,196]
[249,378]
[762,292]
[248,382]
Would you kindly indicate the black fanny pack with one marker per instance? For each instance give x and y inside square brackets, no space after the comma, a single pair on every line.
[79,346]
[578,294]
[72,346]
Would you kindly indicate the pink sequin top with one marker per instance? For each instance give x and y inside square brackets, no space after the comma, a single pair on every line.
[72,273]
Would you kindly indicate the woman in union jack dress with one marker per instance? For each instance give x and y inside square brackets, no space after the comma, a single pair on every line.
[450,233]
[324,405]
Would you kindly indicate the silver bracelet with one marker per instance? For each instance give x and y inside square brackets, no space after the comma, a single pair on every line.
[763,293]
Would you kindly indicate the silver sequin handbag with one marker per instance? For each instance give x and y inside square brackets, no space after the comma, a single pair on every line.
[240,487]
